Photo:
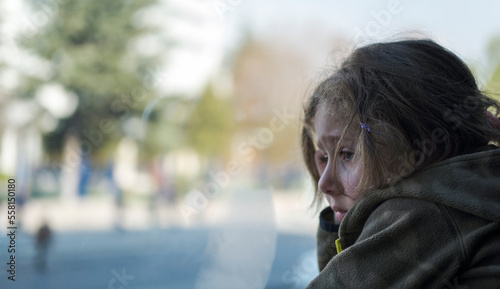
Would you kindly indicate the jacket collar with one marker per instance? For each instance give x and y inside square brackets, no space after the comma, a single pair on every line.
[469,183]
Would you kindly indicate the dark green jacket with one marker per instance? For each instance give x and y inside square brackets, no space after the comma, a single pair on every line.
[439,228]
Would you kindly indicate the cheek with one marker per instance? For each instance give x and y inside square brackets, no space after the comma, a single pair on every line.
[319,166]
[352,181]
[350,203]
[321,170]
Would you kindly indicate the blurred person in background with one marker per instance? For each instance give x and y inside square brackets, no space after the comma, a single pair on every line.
[43,241]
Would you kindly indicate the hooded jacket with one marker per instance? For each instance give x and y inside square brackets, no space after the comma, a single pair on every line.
[438,228]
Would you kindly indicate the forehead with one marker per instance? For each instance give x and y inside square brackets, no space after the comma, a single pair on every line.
[326,122]
[329,126]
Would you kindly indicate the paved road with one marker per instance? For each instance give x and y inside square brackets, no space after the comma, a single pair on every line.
[174,258]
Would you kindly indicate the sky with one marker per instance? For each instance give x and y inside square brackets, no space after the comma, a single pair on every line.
[465,27]
[212,29]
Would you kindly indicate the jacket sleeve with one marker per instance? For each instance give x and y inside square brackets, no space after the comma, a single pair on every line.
[326,236]
[405,243]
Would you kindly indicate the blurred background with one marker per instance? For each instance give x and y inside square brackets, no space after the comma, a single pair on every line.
[154,144]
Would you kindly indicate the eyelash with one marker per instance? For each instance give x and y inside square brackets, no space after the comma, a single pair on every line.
[346,153]
[343,154]
[323,159]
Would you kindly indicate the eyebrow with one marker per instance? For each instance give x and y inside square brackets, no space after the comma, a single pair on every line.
[331,138]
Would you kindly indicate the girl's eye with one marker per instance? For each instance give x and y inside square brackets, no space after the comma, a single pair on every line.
[347,155]
[321,157]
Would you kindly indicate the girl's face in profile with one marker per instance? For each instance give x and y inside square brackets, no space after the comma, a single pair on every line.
[328,131]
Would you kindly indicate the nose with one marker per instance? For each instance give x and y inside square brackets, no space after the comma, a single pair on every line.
[326,184]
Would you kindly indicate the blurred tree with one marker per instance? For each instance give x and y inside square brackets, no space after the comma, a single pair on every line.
[268,81]
[164,129]
[87,43]
[210,125]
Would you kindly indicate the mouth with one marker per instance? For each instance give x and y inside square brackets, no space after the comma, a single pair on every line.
[339,213]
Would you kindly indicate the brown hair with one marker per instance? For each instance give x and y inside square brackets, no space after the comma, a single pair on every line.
[419,104]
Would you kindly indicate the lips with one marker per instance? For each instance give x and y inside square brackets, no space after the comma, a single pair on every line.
[340,216]
[339,213]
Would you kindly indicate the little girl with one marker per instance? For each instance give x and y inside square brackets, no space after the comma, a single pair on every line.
[402,144]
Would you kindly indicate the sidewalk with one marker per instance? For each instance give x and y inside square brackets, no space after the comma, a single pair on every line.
[289,212]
